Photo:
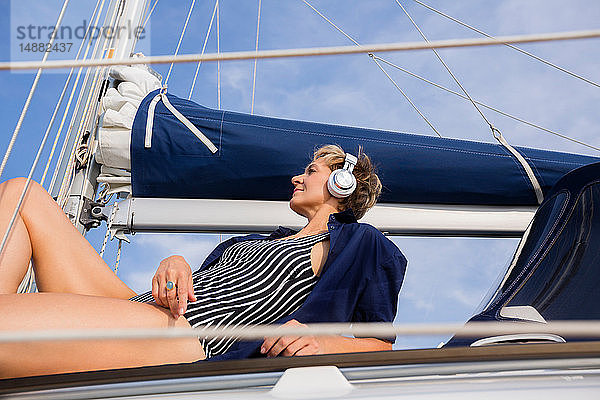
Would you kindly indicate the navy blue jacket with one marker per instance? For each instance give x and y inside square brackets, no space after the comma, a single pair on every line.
[359,282]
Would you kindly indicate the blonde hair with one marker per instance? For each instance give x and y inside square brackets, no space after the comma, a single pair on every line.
[368,185]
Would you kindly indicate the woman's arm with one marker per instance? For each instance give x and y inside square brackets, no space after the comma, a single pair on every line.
[341,344]
[309,345]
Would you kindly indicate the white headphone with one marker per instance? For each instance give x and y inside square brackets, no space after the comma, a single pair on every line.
[342,182]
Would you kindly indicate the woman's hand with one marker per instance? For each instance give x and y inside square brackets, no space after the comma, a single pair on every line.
[178,271]
[292,345]
[309,345]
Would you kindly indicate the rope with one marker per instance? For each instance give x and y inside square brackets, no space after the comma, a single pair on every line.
[528,170]
[405,96]
[218,62]
[187,19]
[104,196]
[549,63]
[259,332]
[205,140]
[203,48]
[118,256]
[307,52]
[81,153]
[32,91]
[255,60]
[103,192]
[485,105]
[108,226]
[376,62]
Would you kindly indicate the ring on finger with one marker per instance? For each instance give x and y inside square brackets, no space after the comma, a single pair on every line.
[170,285]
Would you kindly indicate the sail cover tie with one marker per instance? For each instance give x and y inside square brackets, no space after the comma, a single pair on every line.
[162,95]
[528,170]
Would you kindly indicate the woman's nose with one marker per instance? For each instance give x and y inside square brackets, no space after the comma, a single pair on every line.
[296,179]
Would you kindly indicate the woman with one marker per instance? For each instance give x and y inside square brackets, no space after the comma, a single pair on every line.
[80,291]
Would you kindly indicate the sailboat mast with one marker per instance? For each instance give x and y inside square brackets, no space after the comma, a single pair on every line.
[77,170]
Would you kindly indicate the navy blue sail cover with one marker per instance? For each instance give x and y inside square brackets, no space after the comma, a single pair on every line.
[258,155]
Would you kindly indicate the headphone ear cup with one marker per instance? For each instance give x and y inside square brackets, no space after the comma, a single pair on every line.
[331,184]
[341,183]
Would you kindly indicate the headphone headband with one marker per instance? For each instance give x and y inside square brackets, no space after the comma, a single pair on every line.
[350,162]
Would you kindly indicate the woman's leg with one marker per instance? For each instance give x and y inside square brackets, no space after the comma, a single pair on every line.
[63,259]
[41,311]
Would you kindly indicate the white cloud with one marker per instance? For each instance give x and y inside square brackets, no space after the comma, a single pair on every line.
[446,279]
[141,258]
[194,247]
[449,275]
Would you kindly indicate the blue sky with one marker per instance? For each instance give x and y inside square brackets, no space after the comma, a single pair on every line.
[447,277]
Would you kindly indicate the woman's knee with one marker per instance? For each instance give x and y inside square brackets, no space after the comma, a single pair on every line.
[14,187]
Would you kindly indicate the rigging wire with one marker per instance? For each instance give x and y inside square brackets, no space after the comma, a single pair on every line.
[376,62]
[495,131]
[486,105]
[538,58]
[145,12]
[331,23]
[92,93]
[405,95]
[30,96]
[579,328]
[69,130]
[24,190]
[255,60]
[203,48]
[181,38]
[144,17]
[96,11]
[310,51]
[17,129]
[218,61]
[441,60]
[59,131]
[150,13]
[70,166]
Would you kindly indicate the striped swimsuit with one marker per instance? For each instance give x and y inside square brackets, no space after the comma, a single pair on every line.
[254,282]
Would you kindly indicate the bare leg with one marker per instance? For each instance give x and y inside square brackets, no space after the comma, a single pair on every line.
[64,261]
[65,311]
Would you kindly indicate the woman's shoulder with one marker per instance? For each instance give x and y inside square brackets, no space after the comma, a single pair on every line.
[368,229]
[369,232]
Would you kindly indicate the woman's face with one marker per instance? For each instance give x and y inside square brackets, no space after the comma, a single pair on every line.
[310,189]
